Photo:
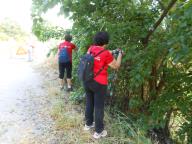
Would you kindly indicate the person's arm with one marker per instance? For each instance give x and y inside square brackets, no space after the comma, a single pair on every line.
[115,64]
[58,50]
[57,55]
[74,47]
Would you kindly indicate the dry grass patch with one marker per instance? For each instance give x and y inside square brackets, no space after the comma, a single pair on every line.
[69,120]
[57,110]
[71,123]
[77,137]
[53,89]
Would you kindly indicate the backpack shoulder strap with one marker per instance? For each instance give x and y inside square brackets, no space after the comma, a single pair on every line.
[99,71]
[99,53]
[102,66]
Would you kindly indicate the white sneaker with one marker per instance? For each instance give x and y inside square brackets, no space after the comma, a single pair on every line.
[99,135]
[86,127]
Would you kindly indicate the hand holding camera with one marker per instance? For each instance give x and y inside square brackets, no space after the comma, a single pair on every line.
[117,51]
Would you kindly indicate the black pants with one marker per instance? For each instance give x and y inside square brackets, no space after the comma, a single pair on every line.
[95,94]
[65,66]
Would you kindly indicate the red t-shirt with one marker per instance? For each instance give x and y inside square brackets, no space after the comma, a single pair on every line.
[70,46]
[103,59]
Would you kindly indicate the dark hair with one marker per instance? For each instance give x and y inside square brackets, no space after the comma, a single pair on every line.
[101,38]
[68,37]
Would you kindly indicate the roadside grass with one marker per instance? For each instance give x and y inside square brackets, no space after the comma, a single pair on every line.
[69,119]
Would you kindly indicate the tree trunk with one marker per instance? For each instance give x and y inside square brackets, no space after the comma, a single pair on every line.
[153,82]
[168,118]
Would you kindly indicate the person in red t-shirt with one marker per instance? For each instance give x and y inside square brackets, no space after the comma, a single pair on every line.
[96,89]
[65,61]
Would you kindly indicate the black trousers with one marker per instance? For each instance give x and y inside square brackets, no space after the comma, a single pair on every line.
[65,66]
[95,94]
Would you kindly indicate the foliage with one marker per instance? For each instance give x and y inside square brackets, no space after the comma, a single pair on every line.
[9,29]
[44,31]
[52,51]
[41,28]
[156,75]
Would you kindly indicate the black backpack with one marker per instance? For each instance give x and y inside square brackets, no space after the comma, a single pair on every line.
[85,68]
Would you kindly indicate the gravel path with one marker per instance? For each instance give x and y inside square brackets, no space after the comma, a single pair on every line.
[24,106]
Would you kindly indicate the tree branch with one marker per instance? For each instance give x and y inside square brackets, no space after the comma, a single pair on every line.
[158,22]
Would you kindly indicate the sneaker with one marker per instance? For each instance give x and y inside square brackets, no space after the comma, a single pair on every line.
[86,127]
[99,135]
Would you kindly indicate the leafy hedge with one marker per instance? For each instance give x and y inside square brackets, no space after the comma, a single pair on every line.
[155,79]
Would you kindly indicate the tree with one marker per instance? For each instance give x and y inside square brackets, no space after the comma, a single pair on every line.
[10,29]
[154,82]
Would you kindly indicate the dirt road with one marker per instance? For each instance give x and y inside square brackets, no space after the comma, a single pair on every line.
[24,105]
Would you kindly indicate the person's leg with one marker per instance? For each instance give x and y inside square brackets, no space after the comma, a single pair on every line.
[100,93]
[69,71]
[69,83]
[29,51]
[61,83]
[61,75]
[89,109]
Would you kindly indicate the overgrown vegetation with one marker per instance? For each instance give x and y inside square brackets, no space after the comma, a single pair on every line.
[69,117]
[9,29]
[154,83]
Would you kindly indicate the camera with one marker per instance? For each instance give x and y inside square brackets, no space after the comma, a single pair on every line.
[116,51]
